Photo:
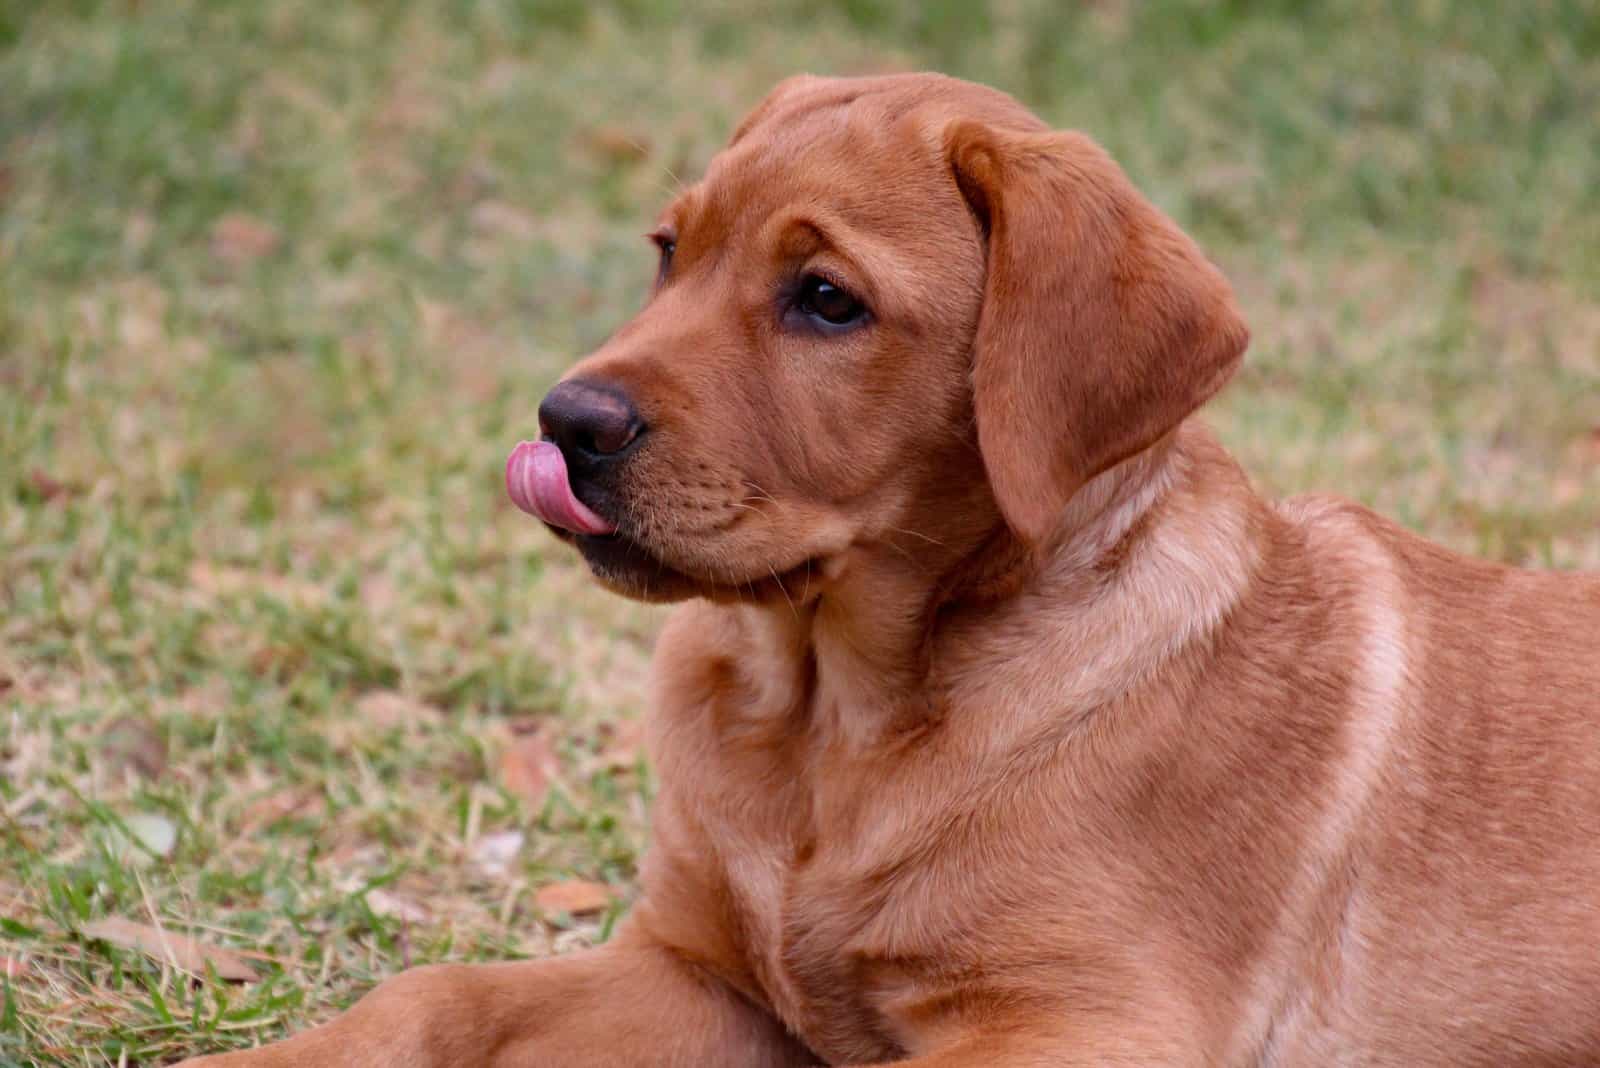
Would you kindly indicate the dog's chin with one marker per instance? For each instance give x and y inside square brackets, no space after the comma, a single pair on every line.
[628,568]
[625,567]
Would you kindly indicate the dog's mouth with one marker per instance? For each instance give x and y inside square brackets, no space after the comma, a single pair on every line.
[538,483]
[536,479]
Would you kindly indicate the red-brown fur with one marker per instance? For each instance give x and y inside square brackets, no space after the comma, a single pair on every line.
[1005,723]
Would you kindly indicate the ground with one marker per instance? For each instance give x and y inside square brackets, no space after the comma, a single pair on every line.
[281,284]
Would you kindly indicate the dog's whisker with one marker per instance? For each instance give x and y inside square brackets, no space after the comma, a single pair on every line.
[784,591]
[760,494]
[924,537]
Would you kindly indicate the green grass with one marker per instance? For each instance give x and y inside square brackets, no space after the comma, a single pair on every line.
[281,283]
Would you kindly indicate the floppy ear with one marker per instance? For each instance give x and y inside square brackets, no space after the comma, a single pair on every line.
[1103,326]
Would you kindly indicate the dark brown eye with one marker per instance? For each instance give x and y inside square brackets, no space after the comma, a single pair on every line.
[668,244]
[827,303]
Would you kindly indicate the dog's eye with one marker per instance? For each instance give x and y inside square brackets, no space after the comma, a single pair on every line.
[668,244]
[826,302]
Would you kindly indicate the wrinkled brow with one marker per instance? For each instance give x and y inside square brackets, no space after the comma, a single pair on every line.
[877,270]
[684,210]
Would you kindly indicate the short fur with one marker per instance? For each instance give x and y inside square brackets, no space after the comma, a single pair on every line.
[1005,724]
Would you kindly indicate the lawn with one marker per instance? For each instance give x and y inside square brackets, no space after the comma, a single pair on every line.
[282,671]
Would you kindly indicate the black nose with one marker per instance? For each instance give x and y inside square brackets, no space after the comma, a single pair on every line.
[589,421]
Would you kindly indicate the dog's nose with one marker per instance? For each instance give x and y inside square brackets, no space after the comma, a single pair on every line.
[589,421]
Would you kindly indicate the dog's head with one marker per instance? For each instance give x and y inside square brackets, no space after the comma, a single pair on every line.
[895,311]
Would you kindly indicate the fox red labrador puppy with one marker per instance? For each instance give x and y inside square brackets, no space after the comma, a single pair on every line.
[1003,723]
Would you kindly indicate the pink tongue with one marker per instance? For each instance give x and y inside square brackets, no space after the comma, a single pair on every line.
[536,478]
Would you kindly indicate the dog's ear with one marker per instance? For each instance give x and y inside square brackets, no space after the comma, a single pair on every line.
[1103,326]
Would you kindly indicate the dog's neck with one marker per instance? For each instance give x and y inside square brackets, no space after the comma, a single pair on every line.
[861,650]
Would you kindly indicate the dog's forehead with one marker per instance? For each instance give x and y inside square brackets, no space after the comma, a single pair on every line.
[866,150]
[846,162]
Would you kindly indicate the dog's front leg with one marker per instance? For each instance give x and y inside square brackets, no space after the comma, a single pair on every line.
[628,1004]
[1052,1041]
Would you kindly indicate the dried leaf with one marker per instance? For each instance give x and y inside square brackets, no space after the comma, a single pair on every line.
[277,658]
[46,487]
[265,811]
[520,725]
[136,743]
[12,968]
[137,233]
[497,218]
[528,766]
[239,238]
[179,950]
[492,854]
[623,746]
[222,581]
[379,595]
[384,903]
[386,708]
[575,897]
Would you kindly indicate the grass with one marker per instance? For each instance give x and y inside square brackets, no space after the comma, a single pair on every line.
[281,283]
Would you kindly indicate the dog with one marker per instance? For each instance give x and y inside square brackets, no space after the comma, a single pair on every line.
[1002,722]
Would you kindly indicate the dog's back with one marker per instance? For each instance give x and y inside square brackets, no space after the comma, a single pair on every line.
[1462,913]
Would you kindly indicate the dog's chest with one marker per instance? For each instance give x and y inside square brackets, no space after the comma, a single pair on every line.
[798,836]
[808,938]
